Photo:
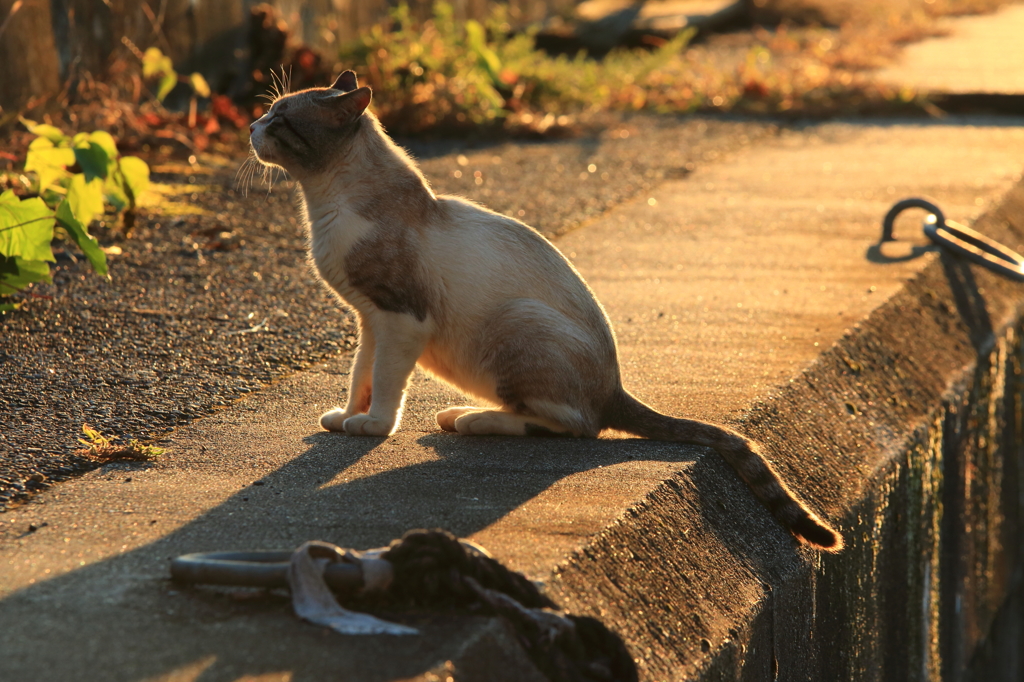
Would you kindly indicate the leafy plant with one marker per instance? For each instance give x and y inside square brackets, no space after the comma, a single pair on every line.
[447,74]
[99,447]
[103,176]
[75,178]
[443,75]
[155,64]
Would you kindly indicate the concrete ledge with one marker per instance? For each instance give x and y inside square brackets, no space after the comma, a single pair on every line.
[909,430]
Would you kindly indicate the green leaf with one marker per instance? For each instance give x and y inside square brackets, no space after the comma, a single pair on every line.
[167,84]
[106,141]
[51,133]
[199,84]
[10,307]
[47,161]
[77,231]
[156,63]
[136,177]
[29,272]
[476,39]
[85,198]
[93,160]
[26,228]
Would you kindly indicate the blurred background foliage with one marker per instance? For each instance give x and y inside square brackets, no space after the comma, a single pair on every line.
[446,65]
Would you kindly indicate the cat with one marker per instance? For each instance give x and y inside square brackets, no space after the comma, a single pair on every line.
[477,299]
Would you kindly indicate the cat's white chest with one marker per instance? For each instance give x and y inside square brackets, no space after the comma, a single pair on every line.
[334,230]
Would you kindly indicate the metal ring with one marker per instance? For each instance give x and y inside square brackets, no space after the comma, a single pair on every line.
[256,569]
[903,205]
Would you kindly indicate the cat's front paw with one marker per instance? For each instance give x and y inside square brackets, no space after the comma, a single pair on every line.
[365,425]
[335,419]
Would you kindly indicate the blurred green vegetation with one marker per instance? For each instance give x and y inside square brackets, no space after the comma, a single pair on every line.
[443,75]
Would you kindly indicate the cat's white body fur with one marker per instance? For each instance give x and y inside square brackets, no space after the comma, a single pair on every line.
[477,299]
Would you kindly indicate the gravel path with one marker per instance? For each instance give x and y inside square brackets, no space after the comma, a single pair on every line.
[207,306]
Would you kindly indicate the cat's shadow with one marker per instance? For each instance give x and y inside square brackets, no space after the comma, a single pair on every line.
[354,492]
[463,484]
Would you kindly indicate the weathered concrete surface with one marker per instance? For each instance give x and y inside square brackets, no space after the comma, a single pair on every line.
[771,249]
[816,284]
[912,422]
[981,55]
[1001,655]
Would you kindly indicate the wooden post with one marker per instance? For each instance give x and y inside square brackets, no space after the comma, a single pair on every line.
[27,53]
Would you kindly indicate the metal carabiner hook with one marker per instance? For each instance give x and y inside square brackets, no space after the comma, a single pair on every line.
[959,239]
[901,206]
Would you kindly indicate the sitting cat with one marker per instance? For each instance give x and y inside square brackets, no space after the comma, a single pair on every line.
[478,299]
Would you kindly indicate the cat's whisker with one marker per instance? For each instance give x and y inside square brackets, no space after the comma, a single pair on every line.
[268,176]
[252,173]
[278,175]
[240,173]
[272,94]
[244,176]
[280,84]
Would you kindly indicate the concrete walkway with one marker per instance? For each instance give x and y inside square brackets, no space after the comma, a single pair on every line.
[722,287]
[981,55]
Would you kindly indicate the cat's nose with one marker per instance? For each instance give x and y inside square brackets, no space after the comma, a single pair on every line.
[252,127]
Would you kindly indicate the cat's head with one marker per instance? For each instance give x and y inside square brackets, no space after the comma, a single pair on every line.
[305,131]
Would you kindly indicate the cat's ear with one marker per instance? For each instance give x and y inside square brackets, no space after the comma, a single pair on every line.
[346,82]
[351,104]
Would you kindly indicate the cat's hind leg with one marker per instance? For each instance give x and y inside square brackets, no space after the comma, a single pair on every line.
[551,373]
[480,421]
[446,418]
[501,423]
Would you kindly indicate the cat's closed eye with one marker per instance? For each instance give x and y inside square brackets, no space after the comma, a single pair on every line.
[282,128]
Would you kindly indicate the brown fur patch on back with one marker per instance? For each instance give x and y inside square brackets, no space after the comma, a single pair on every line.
[385,266]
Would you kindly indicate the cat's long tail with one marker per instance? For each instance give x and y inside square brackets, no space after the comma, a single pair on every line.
[630,415]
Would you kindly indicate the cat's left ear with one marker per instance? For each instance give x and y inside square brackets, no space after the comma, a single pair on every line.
[351,104]
[346,82]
